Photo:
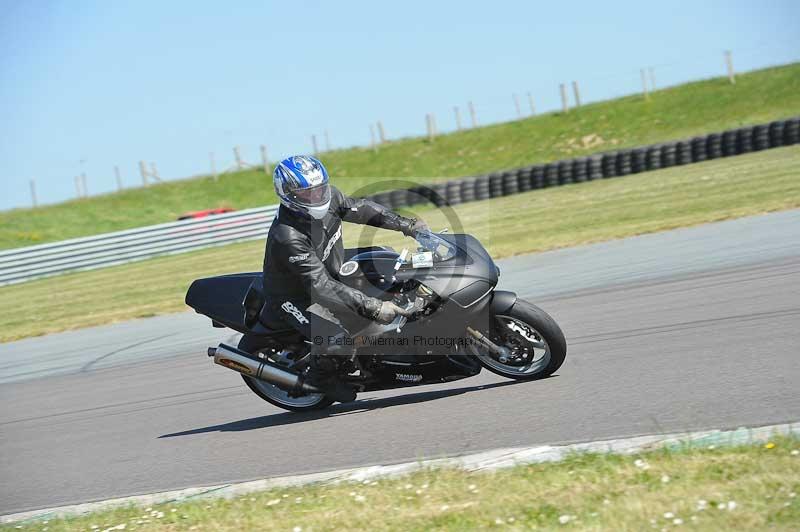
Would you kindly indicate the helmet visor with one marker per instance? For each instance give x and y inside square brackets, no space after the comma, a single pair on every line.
[312,196]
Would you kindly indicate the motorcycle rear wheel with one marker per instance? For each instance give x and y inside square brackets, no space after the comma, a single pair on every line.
[274,395]
[537,344]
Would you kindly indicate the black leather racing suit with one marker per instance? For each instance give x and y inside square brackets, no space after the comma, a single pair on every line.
[301,268]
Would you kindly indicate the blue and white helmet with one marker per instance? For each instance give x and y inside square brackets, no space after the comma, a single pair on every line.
[301,183]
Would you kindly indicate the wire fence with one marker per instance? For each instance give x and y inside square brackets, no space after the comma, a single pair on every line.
[517,104]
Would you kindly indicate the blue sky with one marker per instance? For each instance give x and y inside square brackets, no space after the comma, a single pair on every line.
[111,82]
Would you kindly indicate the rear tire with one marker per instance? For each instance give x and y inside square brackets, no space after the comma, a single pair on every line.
[542,329]
[271,393]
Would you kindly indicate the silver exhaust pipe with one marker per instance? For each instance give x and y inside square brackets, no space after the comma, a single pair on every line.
[261,369]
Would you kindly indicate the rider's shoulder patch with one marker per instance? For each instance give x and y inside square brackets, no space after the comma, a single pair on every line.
[298,258]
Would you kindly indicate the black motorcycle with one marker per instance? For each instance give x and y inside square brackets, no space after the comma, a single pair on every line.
[456,324]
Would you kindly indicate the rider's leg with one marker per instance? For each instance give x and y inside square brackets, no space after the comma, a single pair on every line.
[327,339]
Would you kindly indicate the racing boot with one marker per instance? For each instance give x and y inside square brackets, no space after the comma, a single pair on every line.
[323,373]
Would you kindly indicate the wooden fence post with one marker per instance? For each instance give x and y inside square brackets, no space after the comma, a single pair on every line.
[651,71]
[143,172]
[516,105]
[372,137]
[33,194]
[314,145]
[118,177]
[154,172]
[381,132]
[729,65]
[238,156]
[472,114]
[564,102]
[458,118]
[530,101]
[644,86]
[264,160]
[577,93]
[327,141]
[78,187]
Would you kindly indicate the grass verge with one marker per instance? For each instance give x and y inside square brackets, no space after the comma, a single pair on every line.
[673,113]
[534,221]
[752,487]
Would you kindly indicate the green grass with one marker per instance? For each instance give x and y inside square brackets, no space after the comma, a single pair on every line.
[556,217]
[752,487]
[673,113]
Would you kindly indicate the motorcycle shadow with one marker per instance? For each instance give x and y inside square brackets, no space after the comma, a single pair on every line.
[339,409]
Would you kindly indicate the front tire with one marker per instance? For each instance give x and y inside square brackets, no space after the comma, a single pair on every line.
[537,344]
[271,393]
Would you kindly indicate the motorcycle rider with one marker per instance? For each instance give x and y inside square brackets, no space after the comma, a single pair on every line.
[304,252]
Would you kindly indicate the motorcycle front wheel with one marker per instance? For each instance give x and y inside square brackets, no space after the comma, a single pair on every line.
[271,393]
[536,344]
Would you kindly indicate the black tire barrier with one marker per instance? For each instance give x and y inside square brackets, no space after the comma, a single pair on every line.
[453,192]
[537,176]
[481,195]
[729,144]
[525,179]
[698,145]
[580,169]
[439,194]
[595,167]
[683,152]
[551,175]
[668,154]
[413,196]
[624,162]
[482,188]
[638,163]
[382,198]
[791,131]
[652,158]
[564,172]
[399,198]
[744,139]
[609,165]
[418,195]
[714,146]
[776,134]
[429,193]
[468,190]
[761,137]
[510,183]
[495,185]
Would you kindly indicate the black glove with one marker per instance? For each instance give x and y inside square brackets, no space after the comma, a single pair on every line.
[413,226]
[388,312]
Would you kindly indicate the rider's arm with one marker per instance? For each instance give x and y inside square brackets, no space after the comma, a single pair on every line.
[299,256]
[364,211]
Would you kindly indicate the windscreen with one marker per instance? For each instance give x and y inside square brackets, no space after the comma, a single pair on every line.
[442,249]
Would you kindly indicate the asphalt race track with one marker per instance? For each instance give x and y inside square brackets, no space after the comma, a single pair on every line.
[684,330]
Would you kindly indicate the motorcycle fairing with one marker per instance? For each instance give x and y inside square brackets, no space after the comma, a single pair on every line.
[464,278]
[413,370]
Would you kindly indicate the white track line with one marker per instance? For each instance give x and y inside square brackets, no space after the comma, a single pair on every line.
[484,461]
